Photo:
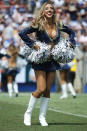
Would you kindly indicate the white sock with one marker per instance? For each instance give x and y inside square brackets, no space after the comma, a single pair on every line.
[43,110]
[64,90]
[15,87]
[10,90]
[28,113]
[71,89]
[32,103]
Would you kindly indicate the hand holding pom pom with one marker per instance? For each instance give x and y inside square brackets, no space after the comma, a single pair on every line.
[36,47]
[40,53]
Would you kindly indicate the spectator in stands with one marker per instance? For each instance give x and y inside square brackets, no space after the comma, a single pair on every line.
[32,6]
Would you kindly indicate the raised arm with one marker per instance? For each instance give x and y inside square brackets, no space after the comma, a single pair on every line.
[24,36]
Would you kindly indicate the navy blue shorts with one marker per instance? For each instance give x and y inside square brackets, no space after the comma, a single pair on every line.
[47,66]
[12,71]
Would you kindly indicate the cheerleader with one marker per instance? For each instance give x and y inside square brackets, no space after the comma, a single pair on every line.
[2,55]
[12,70]
[47,30]
[15,63]
[65,81]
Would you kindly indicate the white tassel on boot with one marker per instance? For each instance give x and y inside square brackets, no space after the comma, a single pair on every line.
[43,109]
[64,91]
[10,90]
[15,87]
[71,89]
[28,113]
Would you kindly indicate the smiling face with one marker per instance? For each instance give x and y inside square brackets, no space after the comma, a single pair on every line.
[47,15]
[49,11]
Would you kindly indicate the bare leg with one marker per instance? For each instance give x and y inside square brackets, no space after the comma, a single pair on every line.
[45,99]
[41,87]
[41,83]
[49,82]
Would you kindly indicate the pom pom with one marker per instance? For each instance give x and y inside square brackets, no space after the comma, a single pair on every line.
[25,51]
[62,52]
[40,56]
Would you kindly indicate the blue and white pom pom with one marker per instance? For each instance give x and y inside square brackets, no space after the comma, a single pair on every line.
[62,52]
[25,51]
[35,56]
[41,55]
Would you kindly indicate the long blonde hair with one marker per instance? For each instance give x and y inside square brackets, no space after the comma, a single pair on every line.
[40,21]
[13,51]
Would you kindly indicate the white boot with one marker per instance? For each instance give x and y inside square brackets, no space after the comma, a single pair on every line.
[10,90]
[28,113]
[64,91]
[43,109]
[71,89]
[15,87]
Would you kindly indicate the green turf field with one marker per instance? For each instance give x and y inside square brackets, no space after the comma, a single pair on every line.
[63,115]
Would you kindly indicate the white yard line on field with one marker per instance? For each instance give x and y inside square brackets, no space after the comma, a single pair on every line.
[68,113]
[51,109]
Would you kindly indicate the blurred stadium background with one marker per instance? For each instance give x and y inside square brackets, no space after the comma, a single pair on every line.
[18,14]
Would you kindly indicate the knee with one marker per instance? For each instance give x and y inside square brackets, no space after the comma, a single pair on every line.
[41,91]
[9,79]
[47,93]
